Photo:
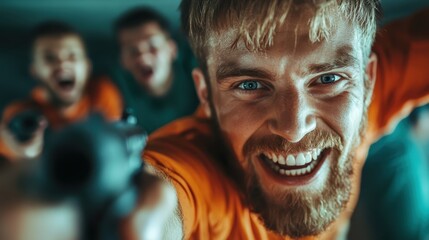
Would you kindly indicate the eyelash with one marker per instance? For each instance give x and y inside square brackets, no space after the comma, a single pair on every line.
[336,76]
[258,85]
[261,86]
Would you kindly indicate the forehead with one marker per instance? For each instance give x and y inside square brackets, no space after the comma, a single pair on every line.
[291,46]
[140,33]
[58,43]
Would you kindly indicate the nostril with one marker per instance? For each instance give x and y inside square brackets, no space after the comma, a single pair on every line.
[292,131]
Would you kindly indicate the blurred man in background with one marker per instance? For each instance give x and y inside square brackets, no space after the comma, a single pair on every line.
[67,92]
[160,87]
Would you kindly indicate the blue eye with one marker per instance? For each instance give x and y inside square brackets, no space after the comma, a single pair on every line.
[329,78]
[249,85]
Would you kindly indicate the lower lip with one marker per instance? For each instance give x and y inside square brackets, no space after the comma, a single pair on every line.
[293,180]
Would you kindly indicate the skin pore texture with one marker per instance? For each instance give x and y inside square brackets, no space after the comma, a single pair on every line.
[292,117]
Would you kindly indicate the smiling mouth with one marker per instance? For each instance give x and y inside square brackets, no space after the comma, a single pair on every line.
[304,164]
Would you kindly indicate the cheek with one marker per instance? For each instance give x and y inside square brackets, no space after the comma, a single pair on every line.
[164,59]
[343,114]
[239,120]
[43,71]
[82,71]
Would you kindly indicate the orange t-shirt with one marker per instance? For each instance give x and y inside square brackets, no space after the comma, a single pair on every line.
[210,202]
[101,95]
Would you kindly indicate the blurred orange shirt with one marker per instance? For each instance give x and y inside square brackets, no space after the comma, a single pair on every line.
[101,96]
[211,204]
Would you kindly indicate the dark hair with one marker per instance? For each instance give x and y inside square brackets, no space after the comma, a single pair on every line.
[52,29]
[139,16]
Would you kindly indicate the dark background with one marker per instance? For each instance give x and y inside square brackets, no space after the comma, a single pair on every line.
[94,19]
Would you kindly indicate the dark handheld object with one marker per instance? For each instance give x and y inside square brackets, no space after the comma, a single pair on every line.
[97,164]
[24,124]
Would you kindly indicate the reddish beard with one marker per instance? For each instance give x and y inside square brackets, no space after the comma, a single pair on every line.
[293,213]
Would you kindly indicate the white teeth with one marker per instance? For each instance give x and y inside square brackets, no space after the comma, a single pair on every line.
[308,158]
[274,158]
[296,172]
[300,159]
[315,155]
[290,161]
[281,160]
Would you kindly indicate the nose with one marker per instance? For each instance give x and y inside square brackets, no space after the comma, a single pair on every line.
[145,57]
[144,53]
[293,117]
[64,63]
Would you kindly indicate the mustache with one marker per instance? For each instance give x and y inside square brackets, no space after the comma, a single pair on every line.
[277,144]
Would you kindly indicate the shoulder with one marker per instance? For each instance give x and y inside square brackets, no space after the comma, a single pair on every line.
[105,97]
[187,153]
[102,85]
[187,137]
[184,152]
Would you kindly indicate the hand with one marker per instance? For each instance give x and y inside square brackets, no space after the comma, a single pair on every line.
[156,214]
[29,149]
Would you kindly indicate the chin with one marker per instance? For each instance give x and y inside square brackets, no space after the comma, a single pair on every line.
[68,100]
[301,205]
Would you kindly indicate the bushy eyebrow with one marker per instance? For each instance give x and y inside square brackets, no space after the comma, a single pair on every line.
[343,58]
[233,69]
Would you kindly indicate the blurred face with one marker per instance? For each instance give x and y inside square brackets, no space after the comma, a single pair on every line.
[291,116]
[61,65]
[147,53]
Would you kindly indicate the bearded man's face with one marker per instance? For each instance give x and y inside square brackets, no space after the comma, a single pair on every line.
[291,116]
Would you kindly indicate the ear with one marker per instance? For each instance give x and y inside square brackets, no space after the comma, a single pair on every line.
[202,91]
[371,75]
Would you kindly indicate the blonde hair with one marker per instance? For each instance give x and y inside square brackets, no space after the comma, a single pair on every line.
[257,21]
